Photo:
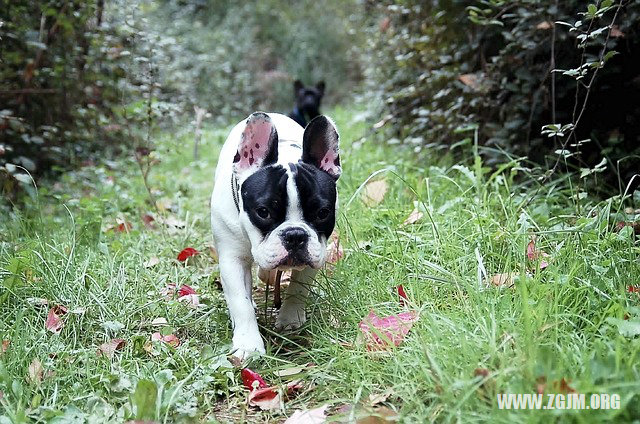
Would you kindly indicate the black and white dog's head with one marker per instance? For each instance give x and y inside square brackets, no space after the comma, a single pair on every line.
[307,102]
[288,206]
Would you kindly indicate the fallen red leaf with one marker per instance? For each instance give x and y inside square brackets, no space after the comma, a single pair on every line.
[481,372]
[169,339]
[109,348]
[187,253]
[188,295]
[123,227]
[634,225]
[266,398]
[186,290]
[252,380]
[382,333]
[534,254]
[54,323]
[148,220]
[562,386]
[403,296]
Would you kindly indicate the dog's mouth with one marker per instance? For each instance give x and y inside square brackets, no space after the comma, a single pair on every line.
[294,262]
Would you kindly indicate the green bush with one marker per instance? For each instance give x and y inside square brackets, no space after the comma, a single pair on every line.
[80,79]
[445,64]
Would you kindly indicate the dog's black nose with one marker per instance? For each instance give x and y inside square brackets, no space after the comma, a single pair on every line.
[294,238]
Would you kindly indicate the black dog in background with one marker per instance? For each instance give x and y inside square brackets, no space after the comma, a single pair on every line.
[307,100]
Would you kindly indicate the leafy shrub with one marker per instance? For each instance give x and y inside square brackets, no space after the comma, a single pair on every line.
[79,79]
[449,63]
[56,81]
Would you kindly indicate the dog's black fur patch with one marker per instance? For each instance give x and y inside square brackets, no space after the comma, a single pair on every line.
[266,188]
[307,102]
[317,194]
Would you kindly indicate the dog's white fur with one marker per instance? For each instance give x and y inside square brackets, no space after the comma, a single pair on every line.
[240,244]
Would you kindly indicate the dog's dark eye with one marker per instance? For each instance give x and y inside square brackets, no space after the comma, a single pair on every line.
[263,213]
[323,213]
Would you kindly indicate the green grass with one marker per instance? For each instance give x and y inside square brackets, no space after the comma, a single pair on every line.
[561,322]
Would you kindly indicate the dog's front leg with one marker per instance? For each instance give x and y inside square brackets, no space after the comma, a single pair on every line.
[292,313]
[234,274]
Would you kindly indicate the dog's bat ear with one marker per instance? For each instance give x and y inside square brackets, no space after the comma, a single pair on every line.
[297,86]
[258,144]
[320,146]
[320,87]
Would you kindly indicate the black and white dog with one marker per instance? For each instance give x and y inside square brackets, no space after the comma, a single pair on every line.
[307,101]
[273,204]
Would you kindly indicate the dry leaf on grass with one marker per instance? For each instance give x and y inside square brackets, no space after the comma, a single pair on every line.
[413,217]
[109,348]
[378,398]
[173,222]
[309,416]
[159,322]
[289,371]
[35,371]
[148,220]
[403,296]
[5,345]
[379,415]
[384,333]
[152,262]
[189,296]
[534,254]
[374,192]
[186,253]
[334,248]
[506,279]
[54,323]
[169,339]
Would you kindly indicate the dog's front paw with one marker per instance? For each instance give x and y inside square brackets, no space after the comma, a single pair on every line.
[245,347]
[290,319]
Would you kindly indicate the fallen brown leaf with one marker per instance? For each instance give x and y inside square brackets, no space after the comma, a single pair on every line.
[470,80]
[544,25]
[35,371]
[109,348]
[506,279]
[5,345]
[309,416]
[374,192]
[413,217]
[378,398]
[379,415]
[562,386]
[153,261]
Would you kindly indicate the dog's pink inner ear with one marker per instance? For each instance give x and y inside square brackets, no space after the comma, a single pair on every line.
[258,143]
[331,163]
[320,146]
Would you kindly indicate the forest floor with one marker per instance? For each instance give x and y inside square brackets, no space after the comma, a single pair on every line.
[508,296]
